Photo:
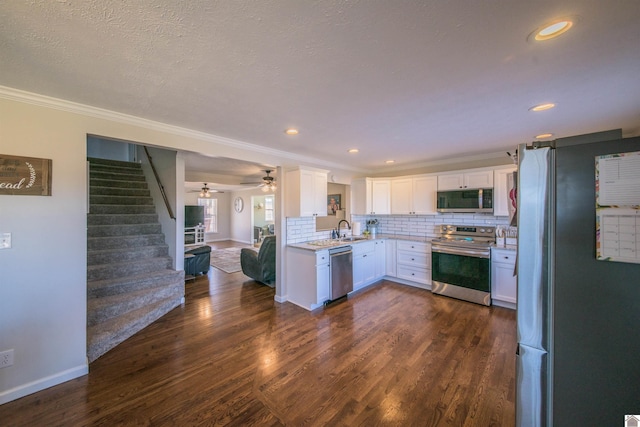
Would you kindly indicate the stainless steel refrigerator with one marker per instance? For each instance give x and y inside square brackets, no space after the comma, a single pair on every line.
[578,318]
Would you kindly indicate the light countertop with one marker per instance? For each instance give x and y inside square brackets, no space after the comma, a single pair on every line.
[314,247]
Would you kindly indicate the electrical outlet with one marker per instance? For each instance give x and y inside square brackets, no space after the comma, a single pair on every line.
[6,358]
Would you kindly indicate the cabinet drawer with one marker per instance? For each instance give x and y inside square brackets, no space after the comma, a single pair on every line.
[413,246]
[415,259]
[363,247]
[322,257]
[415,274]
[503,256]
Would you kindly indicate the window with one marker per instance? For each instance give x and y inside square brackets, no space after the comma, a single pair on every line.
[210,214]
[268,208]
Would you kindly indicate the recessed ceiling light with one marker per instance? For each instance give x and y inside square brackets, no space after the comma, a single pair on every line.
[354,150]
[553,29]
[389,161]
[542,107]
[544,135]
[291,131]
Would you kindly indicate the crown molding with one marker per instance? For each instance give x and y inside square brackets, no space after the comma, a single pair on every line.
[100,113]
[451,161]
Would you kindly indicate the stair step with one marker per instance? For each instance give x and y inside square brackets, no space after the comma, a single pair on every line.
[96,199]
[112,219]
[117,184]
[117,176]
[132,283]
[122,209]
[123,229]
[104,336]
[113,242]
[105,308]
[107,256]
[119,191]
[125,268]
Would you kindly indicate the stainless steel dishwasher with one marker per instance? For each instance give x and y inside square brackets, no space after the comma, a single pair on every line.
[341,261]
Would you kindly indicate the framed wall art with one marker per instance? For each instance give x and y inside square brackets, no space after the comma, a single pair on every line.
[25,176]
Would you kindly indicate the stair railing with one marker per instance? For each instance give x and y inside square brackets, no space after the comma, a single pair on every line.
[164,194]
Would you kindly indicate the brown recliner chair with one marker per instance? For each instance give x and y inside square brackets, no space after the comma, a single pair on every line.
[260,266]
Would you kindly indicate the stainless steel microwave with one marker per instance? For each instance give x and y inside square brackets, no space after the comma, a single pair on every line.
[477,200]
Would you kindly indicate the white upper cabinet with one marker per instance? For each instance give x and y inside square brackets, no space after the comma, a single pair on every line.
[306,193]
[371,196]
[500,190]
[414,195]
[466,179]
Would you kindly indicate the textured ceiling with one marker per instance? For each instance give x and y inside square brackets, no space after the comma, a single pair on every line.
[415,81]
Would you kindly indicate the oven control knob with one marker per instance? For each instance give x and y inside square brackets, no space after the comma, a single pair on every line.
[482,230]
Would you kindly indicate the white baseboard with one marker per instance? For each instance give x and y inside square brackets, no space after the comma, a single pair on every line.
[278,298]
[43,383]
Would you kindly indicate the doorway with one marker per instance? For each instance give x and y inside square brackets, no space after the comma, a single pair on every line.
[263,217]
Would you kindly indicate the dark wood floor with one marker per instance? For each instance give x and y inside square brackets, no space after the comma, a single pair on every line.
[392,355]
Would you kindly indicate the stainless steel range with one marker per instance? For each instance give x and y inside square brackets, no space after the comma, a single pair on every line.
[461,262]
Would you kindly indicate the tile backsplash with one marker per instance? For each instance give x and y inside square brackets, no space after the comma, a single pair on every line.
[301,230]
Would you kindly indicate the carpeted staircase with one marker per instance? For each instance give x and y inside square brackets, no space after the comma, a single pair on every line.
[130,281]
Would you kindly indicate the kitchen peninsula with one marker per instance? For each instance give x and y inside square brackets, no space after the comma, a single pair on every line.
[405,260]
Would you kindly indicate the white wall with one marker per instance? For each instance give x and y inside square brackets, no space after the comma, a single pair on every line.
[170,169]
[112,150]
[43,276]
[241,225]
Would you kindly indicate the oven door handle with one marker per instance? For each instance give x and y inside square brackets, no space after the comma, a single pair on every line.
[463,252]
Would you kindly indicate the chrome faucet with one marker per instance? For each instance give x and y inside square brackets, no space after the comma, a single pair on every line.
[340,223]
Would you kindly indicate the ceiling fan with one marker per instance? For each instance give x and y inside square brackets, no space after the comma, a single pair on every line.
[205,191]
[268,182]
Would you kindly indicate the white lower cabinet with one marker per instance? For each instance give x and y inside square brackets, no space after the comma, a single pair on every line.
[303,287]
[413,261]
[364,268]
[504,287]
[380,255]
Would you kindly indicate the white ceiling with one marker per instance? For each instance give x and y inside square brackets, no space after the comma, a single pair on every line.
[410,80]
[223,173]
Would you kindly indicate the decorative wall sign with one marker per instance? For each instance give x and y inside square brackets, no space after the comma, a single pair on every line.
[25,176]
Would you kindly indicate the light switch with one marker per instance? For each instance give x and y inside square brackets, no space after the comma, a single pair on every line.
[5,241]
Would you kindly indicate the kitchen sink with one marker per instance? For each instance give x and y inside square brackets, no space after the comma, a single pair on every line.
[353,238]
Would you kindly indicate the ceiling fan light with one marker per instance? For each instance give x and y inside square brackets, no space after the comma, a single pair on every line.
[542,107]
[205,191]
